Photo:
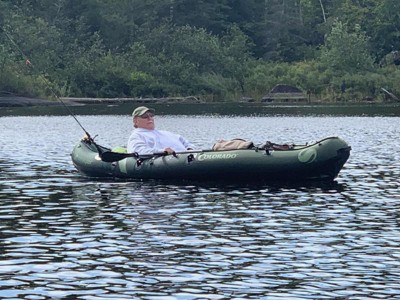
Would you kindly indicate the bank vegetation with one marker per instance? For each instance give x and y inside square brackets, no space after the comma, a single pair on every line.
[333,50]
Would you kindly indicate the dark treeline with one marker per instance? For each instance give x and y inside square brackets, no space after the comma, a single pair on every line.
[216,49]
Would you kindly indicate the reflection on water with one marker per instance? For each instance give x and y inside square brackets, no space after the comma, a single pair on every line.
[64,236]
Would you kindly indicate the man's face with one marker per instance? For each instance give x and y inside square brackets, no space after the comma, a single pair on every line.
[145,121]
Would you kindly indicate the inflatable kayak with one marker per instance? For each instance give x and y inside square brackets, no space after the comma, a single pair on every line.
[322,160]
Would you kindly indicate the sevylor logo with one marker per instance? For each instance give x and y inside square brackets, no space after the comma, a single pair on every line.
[307,155]
[210,156]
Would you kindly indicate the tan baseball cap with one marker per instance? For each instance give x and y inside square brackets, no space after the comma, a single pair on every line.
[141,110]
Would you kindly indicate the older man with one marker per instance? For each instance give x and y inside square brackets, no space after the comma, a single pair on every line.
[145,139]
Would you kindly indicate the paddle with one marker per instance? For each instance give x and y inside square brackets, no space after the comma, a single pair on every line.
[109,156]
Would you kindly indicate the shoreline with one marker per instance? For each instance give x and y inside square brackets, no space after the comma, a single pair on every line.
[14,101]
[17,101]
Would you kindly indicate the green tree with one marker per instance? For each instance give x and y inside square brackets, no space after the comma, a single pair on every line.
[209,14]
[285,33]
[385,27]
[237,58]
[346,51]
[209,47]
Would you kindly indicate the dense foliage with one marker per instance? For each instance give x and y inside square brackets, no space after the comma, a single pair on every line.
[216,49]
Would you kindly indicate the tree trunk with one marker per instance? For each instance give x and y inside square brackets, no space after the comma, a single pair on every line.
[323,10]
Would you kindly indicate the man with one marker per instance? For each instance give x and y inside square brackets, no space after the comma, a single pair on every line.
[145,139]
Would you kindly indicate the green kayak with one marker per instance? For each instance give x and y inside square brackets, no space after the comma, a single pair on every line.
[322,160]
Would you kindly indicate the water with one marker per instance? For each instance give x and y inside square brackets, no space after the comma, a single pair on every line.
[63,236]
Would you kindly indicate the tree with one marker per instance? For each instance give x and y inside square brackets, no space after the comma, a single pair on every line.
[181,47]
[346,51]
[284,31]
[385,27]
[237,57]
[209,14]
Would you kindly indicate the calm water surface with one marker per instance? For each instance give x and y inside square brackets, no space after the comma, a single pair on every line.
[66,237]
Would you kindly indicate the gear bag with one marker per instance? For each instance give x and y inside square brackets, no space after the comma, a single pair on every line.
[233,144]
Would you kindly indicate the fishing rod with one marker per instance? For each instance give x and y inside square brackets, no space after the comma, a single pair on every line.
[29,64]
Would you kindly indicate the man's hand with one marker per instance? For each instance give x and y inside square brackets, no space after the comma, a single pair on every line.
[169,150]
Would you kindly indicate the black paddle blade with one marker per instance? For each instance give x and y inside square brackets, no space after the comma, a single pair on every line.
[110,156]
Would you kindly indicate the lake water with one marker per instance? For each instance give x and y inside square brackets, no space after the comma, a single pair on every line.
[63,236]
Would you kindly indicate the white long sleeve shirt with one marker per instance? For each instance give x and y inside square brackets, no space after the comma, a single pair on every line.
[145,141]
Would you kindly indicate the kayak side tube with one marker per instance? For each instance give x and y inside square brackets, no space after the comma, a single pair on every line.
[87,161]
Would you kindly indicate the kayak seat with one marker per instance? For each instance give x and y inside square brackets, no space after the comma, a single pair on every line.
[119,150]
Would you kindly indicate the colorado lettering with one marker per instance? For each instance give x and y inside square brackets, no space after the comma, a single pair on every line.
[217,156]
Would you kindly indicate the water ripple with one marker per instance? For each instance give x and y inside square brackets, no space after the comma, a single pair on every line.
[63,236]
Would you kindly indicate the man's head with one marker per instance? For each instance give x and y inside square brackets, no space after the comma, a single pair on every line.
[143,117]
